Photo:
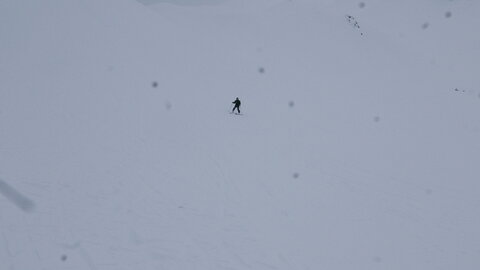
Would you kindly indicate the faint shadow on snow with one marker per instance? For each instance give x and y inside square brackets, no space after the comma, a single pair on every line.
[183,2]
[16,197]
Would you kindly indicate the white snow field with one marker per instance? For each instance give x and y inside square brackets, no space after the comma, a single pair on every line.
[358,147]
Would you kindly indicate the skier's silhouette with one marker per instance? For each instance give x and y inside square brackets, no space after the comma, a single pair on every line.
[237,105]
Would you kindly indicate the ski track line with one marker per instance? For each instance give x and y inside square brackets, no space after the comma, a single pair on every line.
[285,261]
[265,265]
[86,257]
[9,251]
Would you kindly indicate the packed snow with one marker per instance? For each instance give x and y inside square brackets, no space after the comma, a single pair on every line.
[357,147]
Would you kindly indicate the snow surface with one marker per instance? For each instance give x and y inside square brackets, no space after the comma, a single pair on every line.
[358,147]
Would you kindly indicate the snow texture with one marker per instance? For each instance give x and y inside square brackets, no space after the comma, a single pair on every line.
[354,151]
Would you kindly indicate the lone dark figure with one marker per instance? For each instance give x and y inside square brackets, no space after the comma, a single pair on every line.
[237,105]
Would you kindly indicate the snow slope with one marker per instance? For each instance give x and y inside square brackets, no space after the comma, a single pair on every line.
[357,147]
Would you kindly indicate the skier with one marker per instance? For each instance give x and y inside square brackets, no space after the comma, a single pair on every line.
[237,105]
